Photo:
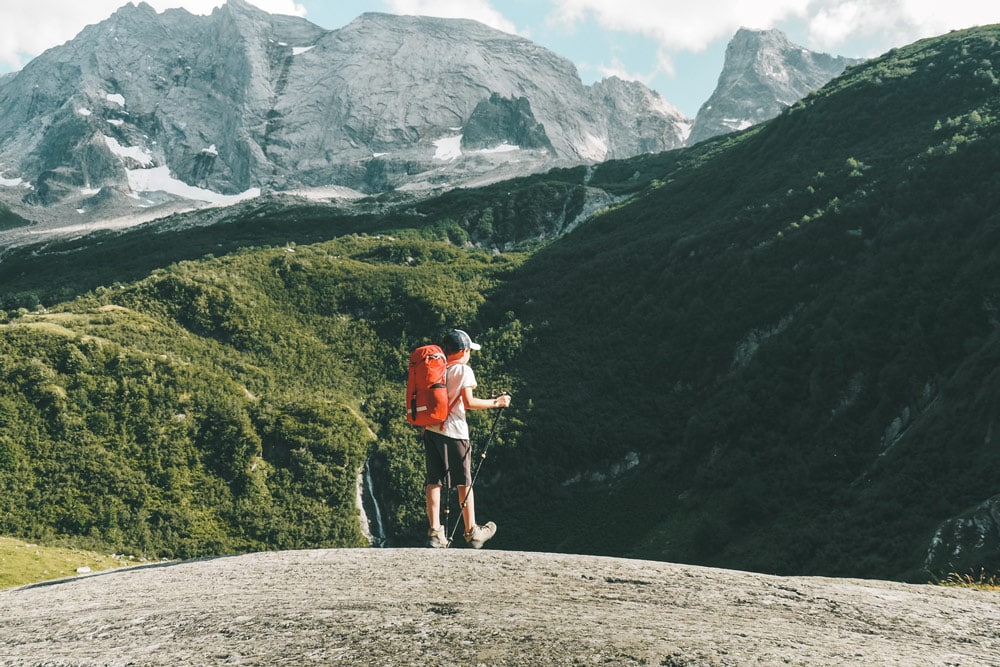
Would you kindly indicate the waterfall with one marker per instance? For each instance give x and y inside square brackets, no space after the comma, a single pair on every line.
[371,514]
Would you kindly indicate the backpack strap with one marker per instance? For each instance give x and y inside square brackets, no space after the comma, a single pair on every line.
[452,405]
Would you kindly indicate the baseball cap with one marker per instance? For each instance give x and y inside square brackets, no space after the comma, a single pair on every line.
[457,340]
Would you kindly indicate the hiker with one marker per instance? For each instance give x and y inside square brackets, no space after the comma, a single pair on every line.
[447,449]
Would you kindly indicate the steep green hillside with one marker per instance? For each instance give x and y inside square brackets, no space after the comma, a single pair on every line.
[775,351]
[793,340]
[219,406]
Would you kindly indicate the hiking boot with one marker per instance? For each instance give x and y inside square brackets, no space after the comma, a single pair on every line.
[478,536]
[436,538]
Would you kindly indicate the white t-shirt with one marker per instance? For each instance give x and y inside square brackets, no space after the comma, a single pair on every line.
[459,377]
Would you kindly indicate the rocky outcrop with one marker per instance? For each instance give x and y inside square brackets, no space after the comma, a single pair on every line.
[962,542]
[762,75]
[508,123]
[459,606]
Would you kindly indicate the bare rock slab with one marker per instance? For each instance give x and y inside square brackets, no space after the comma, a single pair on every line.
[458,606]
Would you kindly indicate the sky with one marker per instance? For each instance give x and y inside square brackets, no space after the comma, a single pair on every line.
[677,48]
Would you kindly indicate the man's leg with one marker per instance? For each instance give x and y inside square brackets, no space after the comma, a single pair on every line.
[468,508]
[434,505]
[435,536]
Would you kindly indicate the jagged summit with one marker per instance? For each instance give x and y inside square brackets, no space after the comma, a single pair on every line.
[763,73]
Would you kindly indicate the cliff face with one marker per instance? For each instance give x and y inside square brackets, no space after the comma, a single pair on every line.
[243,101]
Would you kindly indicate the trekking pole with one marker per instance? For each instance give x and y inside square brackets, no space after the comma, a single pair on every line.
[475,475]
[446,491]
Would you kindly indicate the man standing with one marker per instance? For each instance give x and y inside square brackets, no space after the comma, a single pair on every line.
[447,448]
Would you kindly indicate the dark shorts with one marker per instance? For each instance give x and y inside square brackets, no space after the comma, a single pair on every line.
[448,460]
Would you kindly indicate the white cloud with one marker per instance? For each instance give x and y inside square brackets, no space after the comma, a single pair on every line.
[29,27]
[829,23]
[898,22]
[477,10]
[665,64]
[689,26]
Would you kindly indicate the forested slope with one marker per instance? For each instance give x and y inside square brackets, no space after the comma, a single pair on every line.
[794,337]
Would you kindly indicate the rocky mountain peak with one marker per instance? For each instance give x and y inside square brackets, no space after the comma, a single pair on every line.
[241,6]
[636,132]
[131,11]
[763,74]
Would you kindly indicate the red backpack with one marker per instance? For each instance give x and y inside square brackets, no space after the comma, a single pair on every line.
[426,391]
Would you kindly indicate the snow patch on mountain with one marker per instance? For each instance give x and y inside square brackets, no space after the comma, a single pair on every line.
[448,148]
[136,154]
[10,182]
[502,148]
[159,179]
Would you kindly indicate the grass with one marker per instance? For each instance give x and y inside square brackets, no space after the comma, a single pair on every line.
[25,563]
[981,581]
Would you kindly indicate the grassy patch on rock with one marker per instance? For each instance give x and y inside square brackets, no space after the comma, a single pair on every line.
[26,563]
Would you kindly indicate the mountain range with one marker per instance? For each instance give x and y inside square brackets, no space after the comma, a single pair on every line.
[774,350]
[145,112]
